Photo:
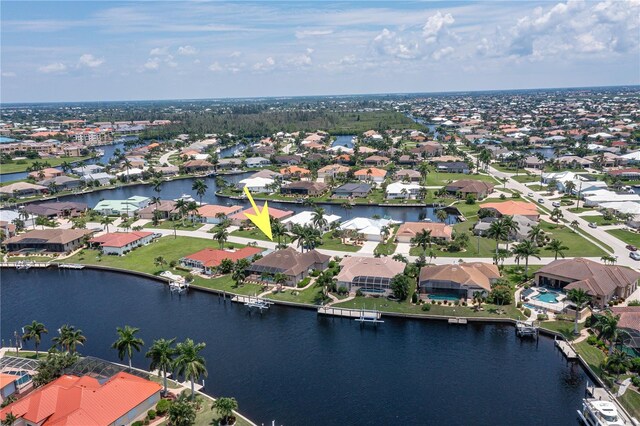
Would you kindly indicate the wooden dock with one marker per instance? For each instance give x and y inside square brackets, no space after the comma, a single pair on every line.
[526,329]
[21,264]
[566,349]
[350,313]
[457,320]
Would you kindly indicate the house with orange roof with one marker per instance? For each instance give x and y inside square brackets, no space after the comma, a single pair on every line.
[295,171]
[73,400]
[213,213]
[207,260]
[332,170]
[240,217]
[437,230]
[7,385]
[120,243]
[371,174]
[46,173]
[513,208]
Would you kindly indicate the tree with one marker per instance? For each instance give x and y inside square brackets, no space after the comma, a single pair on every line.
[617,362]
[34,331]
[441,215]
[478,298]
[525,250]
[221,235]
[69,338]
[485,157]
[500,293]
[190,363]
[225,407]
[536,234]
[512,227]
[182,412]
[238,275]
[607,326]
[400,286]
[161,354]
[575,225]
[9,419]
[127,342]
[498,231]
[200,187]
[226,266]
[557,248]
[181,208]
[569,187]
[42,221]
[579,297]
[159,261]
[556,214]
[106,221]
[278,229]
[318,219]
[423,240]
[53,366]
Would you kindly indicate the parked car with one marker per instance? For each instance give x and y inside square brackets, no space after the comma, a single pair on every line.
[541,200]
[634,255]
[631,247]
[593,225]
[556,204]
[530,194]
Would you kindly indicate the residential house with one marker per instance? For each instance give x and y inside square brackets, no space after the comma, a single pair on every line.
[370,229]
[405,191]
[311,189]
[164,210]
[120,243]
[21,190]
[240,217]
[257,184]
[524,226]
[61,183]
[513,208]
[625,174]
[7,385]
[101,178]
[371,174]
[629,323]
[332,171]
[453,167]
[257,162]
[352,190]
[407,160]
[46,173]
[208,260]
[88,401]
[533,162]
[56,209]
[48,240]
[464,187]
[305,218]
[369,274]
[438,231]
[88,169]
[212,213]
[376,160]
[229,163]
[461,281]
[602,282]
[295,172]
[291,160]
[574,162]
[119,207]
[193,166]
[294,265]
[408,175]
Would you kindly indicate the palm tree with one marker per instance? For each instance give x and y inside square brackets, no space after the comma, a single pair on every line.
[318,218]
[575,224]
[498,231]
[225,407]
[156,183]
[423,240]
[607,325]
[189,362]
[106,221]
[182,412]
[127,342]
[10,419]
[34,331]
[127,165]
[556,214]
[200,187]
[221,235]
[423,168]
[557,248]
[278,229]
[238,275]
[181,207]
[161,354]
[535,234]
[441,215]
[512,227]
[159,261]
[608,259]
[279,278]
[579,297]
[524,250]
[65,166]
[299,235]
[68,338]
[617,362]
[569,187]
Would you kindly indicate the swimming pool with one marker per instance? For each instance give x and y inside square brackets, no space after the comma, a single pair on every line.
[449,297]
[548,297]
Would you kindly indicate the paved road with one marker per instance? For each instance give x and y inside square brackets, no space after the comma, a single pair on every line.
[164,158]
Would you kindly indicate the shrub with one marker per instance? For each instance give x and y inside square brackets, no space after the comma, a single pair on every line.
[635,365]
[304,282]
[433,302]
[527,312]
[315,273]
[503,197]
[634,303]
[332,264]
[439,303]
[137,423]
[636,381]
[519,305]
[162,407]
[515,195]
[592,340]
[342,290]
[173,263]
[359,293]
[151,414]
[456,302]
[426,307]
[414,298]
[543,317]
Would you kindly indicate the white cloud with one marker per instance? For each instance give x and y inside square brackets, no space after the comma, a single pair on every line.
[303,60]
[152,64]
[55,67]
[390,44]
[441,53]
[312,33]
[435,26]
[159,51]
[235,54]
[267,65]
[88,60]
[8,74]
[187,50]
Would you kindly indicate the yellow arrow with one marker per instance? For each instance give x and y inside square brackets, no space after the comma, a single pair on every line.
[261,219]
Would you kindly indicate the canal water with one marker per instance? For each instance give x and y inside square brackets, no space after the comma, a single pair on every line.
[294,367]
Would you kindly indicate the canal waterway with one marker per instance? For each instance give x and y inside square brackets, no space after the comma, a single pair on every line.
[290,365]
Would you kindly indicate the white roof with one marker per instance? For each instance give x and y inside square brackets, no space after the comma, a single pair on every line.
[397,187]
[97,176]
[367,226]
[635,155]
[256,182]
[623,207]
[131,171]
[563,176]
[306,218]
[602,135]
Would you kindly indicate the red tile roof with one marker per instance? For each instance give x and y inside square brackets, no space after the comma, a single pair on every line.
[275,213]
[5,379]
[73,400]
[211,210]
[119,239]
[212,258]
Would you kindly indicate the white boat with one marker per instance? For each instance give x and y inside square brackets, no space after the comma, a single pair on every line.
[178,286]
[600,413]
[186,197]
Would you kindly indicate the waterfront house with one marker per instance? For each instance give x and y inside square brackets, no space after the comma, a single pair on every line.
[194,166]
[61,183]
[311,189]
[525,224]
[56,209]
[120,243]
[47,240]
[376,160]
[533,162]
[257,162]
[574,162]
[291,160]
[46,173]
[513,208]
[629,323]
[332,171]
[229,163]
[625,174]
[371,174]
[368,274]
[458,281]
[439,231]
[21,190]
[257,184]
[405,191]
[120,207]
[293,264]
[352,190]
[408,175]
[601,282]
[131,173]
[464,187]
[88,169]
[407,160]
[240,217]
[88,401]
[371,229]
[305,218]
[212,213]
[208,260]
[295,172]
[453,167]
[101,178]
[164,210]
[7,385]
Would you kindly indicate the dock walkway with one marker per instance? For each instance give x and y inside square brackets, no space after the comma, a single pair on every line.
[566,349]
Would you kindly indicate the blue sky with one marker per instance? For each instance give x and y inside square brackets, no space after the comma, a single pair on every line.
[75,51]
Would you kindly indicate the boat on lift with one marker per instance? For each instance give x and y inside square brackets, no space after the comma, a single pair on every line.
[596,412]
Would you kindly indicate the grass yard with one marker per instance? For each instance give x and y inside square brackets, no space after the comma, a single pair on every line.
[631,401]
[578,246]
[599,220]
[524,178]
[563,327]
[628,237]
[537,188]
[14,167]
[169,224]
[29,354]
[406,307]
[592,355]
[579,209]
[225,283]
[312,295]
[33,258]
[256,234]
[386,249]
[330,243]
[441,179]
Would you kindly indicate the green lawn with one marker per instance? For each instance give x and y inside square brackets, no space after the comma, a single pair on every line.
[329,243]
[441,179]
[312,296]
[626,236]
[524,178]
[537,187]
[599,220]
[592,355]
[631,401]
[579,209]
[29,354]
[406,307]
[256,234]
[34,258]
[563,327]
[53,162]
[169,224]
[578,246]
[225,283]
[142,258]
[387,248]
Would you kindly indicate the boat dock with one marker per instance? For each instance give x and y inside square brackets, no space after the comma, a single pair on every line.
[24,264]
[526,329]
[360,315]
[566,349]
[457,321]
[253,302]
[70,266]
